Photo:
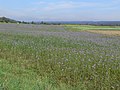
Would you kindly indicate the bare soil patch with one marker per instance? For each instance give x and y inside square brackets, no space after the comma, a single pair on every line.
[105,32]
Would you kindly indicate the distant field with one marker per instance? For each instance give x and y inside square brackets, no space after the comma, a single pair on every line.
[117,33]
[91,27]
[57,57]
[108,30]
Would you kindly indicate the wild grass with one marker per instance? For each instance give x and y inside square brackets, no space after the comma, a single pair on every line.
[29,62]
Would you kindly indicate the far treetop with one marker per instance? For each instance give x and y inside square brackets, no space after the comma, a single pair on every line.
[8,20]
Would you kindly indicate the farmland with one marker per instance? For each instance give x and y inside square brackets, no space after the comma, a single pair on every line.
[59,57]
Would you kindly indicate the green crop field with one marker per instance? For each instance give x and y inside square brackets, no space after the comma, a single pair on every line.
[91,27]
[52,57]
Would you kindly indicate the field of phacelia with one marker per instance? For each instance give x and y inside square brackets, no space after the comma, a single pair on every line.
[53,57]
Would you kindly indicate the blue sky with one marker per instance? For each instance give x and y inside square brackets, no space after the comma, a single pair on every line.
[70,10]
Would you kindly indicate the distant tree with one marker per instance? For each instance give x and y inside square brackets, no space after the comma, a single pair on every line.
[19,22]
[42,22]
[24,22]
[32,22]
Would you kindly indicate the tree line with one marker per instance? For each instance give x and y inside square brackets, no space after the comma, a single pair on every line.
[8,20]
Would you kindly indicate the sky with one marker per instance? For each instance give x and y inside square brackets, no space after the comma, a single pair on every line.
[61,10]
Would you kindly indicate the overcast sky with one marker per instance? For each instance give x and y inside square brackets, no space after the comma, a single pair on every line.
[72,10]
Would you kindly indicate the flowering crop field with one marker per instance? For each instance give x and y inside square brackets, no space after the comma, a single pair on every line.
[53,57]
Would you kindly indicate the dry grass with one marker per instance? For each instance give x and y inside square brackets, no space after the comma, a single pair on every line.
[106,32]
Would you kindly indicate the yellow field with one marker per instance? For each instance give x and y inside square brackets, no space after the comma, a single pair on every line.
[105,32]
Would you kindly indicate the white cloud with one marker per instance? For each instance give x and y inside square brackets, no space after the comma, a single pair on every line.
[46,7]
[63,5]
